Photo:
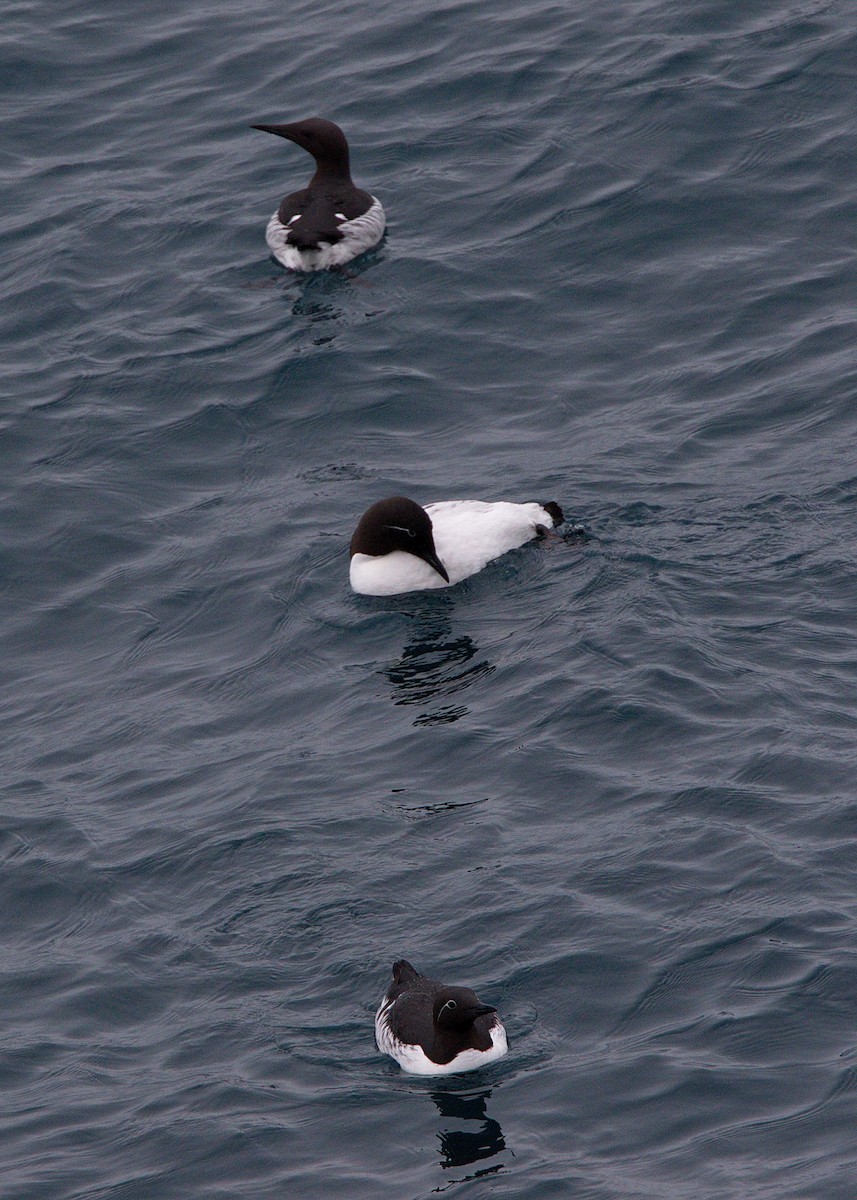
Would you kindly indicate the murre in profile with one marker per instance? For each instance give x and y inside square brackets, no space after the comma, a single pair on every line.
[330,221]
[398,546]
[431,1028]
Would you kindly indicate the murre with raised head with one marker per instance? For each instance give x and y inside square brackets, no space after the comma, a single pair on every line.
[399,546]
[432,1028]
[331,220]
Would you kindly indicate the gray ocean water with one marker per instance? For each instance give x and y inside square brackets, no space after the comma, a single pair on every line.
[611,783]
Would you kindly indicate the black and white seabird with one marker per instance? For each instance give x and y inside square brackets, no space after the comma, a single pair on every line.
[431,1028]
[399,546]
[330,221]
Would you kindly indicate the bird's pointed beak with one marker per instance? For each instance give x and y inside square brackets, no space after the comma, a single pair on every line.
[433,561]
[480,1010]
[280,130]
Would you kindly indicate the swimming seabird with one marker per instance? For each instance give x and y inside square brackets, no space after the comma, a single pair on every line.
[331,220]
[432,1028]
[399,546]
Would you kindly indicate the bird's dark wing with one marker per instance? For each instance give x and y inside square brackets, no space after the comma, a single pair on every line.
[292,206]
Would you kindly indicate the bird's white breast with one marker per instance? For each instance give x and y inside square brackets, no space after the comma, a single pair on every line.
[390,574]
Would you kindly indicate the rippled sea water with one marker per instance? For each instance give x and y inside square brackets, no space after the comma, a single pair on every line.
[610,783]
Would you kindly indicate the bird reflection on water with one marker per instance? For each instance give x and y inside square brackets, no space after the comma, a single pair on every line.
[460,1147]
[436,665]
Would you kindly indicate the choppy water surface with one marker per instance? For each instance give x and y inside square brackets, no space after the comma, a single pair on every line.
[609,784]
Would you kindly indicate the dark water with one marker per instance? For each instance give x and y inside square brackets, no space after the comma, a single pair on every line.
[610,785]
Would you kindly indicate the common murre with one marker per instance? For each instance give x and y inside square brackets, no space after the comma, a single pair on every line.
[330,221]
[398,546]
[430,1028]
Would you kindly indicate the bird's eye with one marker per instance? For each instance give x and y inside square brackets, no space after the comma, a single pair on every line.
[451,1004]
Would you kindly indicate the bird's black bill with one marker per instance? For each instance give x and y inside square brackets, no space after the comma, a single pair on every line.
[480,1010]
[280,130]
[433,561]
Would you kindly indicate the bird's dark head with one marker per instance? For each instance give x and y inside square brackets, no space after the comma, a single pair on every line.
[458,1008]
[397,523]
[324,140]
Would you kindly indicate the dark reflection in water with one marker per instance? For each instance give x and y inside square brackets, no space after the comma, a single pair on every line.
[436,665]
[318,298]
[462,1146]
[325,296]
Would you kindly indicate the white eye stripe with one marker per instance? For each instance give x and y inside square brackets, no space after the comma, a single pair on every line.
[291,220]
[341,216]
[401,529]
